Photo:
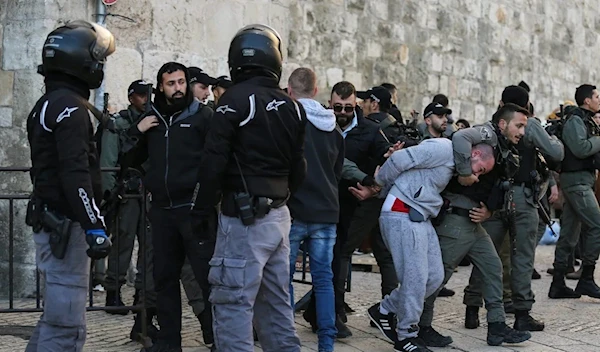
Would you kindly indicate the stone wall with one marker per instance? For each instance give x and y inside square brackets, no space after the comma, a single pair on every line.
[467,49]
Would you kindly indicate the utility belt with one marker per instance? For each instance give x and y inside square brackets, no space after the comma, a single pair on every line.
[447,209]
[459,211]
[248,208]
[39,217]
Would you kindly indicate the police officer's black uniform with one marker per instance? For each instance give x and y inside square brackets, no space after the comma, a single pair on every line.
[254,154]
[66,181]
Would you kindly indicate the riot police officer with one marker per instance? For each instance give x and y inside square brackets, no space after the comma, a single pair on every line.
[254,154]
[65,173]
[527,188]
[580,136]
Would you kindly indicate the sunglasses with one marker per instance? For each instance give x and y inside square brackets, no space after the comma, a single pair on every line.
[339,108]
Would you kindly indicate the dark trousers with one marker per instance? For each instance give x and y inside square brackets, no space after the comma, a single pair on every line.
[173,239]
[348,205]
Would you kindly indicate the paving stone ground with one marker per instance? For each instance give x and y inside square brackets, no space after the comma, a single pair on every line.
[571,325]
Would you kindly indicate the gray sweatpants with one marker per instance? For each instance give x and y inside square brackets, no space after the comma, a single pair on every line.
[250,275]
[62,325]
[418,261]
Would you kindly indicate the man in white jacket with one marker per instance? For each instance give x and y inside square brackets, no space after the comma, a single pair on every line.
[315,205]
[413,179]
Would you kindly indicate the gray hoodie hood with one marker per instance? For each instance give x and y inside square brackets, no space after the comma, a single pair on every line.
[321,118]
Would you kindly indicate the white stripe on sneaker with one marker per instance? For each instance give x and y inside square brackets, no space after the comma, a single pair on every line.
[409,347]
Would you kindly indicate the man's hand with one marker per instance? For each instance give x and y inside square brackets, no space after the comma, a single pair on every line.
[362,192]
[480,214]
[553,194]
[397,146]
[467,180]
[147,123]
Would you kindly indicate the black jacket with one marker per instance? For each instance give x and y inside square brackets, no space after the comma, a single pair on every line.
[173,149]
[366,144]
[317,199]
[65,169]
[264,128]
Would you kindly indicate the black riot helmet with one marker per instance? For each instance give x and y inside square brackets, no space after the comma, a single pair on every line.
[255,48]
[78,49]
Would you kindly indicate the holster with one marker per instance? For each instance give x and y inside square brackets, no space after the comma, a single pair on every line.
[437,221]
[59,227]
[248,208]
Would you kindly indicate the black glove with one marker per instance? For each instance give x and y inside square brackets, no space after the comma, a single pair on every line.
[99,243]
[368,181]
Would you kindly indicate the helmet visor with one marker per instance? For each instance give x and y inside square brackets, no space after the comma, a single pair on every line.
[104,45]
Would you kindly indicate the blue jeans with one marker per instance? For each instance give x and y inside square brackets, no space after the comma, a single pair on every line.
[320,239]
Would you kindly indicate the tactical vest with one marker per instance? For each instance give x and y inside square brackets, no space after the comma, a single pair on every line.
[571,163]
[527,164]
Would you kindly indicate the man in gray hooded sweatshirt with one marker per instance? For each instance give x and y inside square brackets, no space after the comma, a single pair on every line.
[315,205]
[412,180]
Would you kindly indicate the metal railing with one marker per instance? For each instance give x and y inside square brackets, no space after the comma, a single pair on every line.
[141,308]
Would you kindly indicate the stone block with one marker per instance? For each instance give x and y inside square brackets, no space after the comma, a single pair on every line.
[1,36]
[348,52]
[21,10]
[22,43]
[436,62]
[137,35]
[28,87]
[3,6]
[355,78]
[334,75]
[433,83]
[443,84]
[378,8]
[350,24]
[122,68]
[6,87]
[404,54]
[374,49]
[6,116]
[398,32]
[358,5]
[448,62]
[480,114]
[256,11]
[280,21]
[299,46]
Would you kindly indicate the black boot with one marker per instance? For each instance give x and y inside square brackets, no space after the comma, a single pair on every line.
[558,288]
[446,292]
[472,317]
[151,330]
[499,333]
[586,285]
[432,338]
[113,299]
[342,329]
[310,315]
[535,275]
[525,322]
[205,320]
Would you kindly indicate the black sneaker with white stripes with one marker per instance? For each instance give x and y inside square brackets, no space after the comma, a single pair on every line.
[385,323]
[411,344]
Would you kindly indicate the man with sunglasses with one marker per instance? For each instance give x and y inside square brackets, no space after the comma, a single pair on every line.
[365,145]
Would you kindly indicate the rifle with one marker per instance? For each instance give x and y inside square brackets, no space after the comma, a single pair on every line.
[535,181]
[510,212]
